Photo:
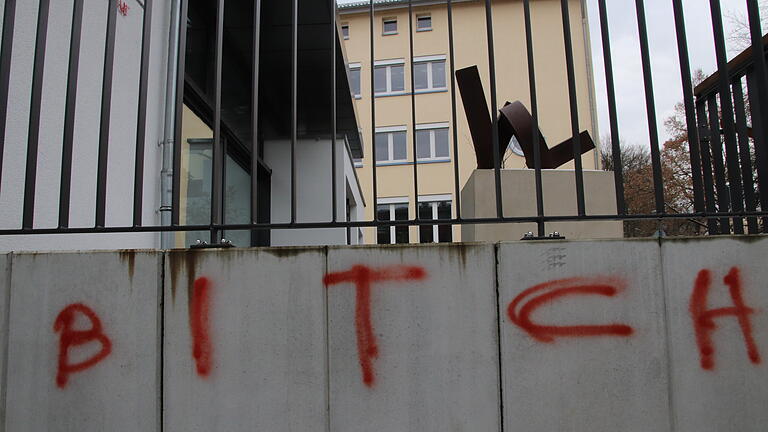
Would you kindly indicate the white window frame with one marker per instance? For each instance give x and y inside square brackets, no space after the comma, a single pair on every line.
[359,67]
[387,64]
[421,16]
[433,201]
[343,26]
[432,147]
[386,20]
[430,60]
[391,203]
[391,143]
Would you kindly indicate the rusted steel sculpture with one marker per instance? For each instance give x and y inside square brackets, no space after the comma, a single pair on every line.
[515,120]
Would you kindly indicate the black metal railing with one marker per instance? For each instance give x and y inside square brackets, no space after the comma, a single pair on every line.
[726,119]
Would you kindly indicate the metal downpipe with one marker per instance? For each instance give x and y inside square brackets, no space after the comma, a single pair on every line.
[166,173]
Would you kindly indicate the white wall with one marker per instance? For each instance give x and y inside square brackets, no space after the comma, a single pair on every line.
[541,336]
[313,190]
[120,177]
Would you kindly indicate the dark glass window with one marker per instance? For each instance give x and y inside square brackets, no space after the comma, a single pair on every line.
[423,144]
[389,79]
[382,147]
[390,26]
[441,143]
[435,210]
[421,76]
[391,146]
[432,143]
[354,81]
[393,234]
[429,75]
[424,23]
[380,79]
[345,31]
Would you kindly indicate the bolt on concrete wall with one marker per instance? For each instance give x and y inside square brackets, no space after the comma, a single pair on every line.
[532,336]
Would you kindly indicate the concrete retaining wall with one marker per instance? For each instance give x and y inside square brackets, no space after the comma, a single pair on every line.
[540,336]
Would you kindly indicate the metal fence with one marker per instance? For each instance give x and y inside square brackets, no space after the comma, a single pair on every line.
[727,137]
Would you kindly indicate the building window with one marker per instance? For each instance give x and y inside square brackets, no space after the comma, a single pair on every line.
[390,209]
[435,208]
[390,26]
[354,79]
[345,31]
[389,77]
[429,73]
[391,144]
[432,142]
[423,22]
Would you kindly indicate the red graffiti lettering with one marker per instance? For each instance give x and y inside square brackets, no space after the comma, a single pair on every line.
[561,288]
[362,277]
[70,337]
[703,318]
[199,319]
[123,7]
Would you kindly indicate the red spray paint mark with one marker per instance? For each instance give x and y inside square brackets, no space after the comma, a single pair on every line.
[123,7]
[199,321]
[561,288]
[70,337]
[362,276]
[703,318]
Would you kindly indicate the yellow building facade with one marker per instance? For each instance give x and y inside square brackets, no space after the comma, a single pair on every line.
[432,134]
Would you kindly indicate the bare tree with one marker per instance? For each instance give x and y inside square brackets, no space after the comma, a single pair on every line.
[739,36]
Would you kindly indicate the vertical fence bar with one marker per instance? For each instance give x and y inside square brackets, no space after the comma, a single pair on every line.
[294,100]
[716,147]
[726,109]
[255,117]
[706,164]
[650,105]
[690,110]
[373,116]
[69,113]
[454,124]
[757,84]
[34,115]
[217,213]
[574,106]
[540,226]
[6,51]
[618,170]
[758,106]
[494,109]
[744,153]
[334,195]
[177,124]
[141,126]
[413,114]
[106,115]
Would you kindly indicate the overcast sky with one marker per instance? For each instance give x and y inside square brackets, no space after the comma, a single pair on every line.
[625,48]
[628,74]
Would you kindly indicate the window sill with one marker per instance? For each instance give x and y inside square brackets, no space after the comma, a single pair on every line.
[389,34]
[436,90]
[405,93]
[393,163]
[424,30]
[357,96]
[432,161]
[401,93]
